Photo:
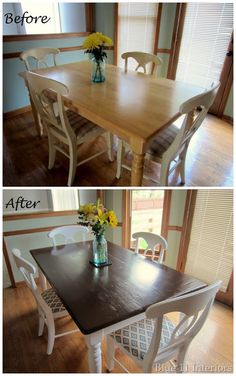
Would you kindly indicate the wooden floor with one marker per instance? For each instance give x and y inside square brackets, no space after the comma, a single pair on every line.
[210,352]
[209,160]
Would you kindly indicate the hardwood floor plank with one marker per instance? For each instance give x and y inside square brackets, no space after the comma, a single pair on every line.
[25,352]
[209,159]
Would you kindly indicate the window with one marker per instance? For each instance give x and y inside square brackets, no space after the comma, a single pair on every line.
[146,212]
[136,29]
[65,199]
[206,35]
[38,8]
[58,18]
[210,252]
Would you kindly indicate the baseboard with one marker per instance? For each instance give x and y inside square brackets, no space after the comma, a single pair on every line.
[227,118]
[17,112]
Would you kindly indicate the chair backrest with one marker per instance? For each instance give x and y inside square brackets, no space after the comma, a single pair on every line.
[152,240]
[28,271]
[68,234]
[38,54]
[194,308]
[142,58]
[56,123]
[199,105]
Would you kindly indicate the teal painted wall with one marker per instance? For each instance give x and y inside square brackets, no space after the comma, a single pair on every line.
[104,18]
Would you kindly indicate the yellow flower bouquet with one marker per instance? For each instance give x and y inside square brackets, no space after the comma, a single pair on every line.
[98,218]
[94,45]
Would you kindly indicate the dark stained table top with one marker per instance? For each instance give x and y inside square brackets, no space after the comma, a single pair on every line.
[97,298]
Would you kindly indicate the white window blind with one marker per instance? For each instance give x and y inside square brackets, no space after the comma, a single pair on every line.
[206,35]
[210,252]
[136,29]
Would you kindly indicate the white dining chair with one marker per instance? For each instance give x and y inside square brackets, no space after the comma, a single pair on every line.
[156,339]
[39,54]
[68,234]
[142,59]
[170,145]
[67,131]
[153,241]
[49,305]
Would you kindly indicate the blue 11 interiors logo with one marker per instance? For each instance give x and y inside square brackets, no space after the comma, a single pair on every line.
[25,18]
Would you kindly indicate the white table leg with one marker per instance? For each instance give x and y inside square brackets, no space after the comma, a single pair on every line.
[93,342]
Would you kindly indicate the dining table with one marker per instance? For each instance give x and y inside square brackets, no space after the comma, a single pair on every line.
[103,300]
[131,105]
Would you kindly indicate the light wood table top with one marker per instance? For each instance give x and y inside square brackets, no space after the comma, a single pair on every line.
[131,105]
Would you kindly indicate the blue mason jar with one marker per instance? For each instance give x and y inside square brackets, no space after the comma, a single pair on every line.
[98,70]
[100,250]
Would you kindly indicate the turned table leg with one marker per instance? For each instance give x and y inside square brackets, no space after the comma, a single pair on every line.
[137,169]
[94,353]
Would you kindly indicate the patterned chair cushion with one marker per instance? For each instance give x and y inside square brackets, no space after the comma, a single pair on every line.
[163,141]
[81,126]
[53,301]
[136,338]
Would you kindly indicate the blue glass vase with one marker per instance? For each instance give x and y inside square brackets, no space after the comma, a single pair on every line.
[98,70]
[100,250]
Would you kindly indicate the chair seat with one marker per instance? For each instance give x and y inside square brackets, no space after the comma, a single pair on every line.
[53,301]
[136,338]
[81,126]
[162,142]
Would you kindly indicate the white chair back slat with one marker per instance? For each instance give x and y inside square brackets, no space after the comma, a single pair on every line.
[69,234]
[199,104]
[152,240]
[142,59]
[39,54]
[195,307]
[28,271]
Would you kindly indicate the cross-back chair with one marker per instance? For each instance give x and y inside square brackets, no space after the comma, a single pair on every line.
[153,241]
[142,59]
[39,54]
[170,145]
[156,339]
[49,305]
[66,130]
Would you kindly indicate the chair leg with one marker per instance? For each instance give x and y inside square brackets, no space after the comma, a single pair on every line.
[180,366]
[51,333]
[110,353]
[164,174]
[73,162]
[41,324]
[119,157]
[52,152]
[182,166]
[109,138]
